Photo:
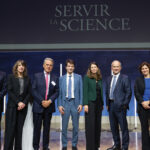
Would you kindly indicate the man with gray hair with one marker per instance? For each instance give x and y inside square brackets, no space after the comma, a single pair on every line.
[44,91]
[118,95]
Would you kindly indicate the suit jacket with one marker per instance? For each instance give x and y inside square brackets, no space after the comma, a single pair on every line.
[139,88]
[122,92]
[78,90]
[3,89]
[14,96]
[89,90]
[39,90]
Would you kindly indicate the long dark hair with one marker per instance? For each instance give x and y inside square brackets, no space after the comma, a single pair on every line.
[14,70]
[98,75]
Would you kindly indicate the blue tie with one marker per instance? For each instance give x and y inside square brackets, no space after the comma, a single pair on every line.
[112,88]
[69,87]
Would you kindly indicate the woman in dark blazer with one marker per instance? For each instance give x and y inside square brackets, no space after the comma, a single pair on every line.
[18,97]
[93,106]
[142,94]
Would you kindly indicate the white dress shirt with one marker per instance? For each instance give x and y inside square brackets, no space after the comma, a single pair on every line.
[67,83]
[117,76]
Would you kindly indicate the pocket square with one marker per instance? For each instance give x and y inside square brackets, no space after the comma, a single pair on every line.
[53,83]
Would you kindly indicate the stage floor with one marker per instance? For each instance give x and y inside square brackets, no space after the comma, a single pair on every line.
[106,140]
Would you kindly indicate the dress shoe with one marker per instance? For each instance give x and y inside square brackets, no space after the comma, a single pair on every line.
[74,148]
[64,148]
[114,147]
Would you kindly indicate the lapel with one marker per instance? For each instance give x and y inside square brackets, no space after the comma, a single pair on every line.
[43,81]
[17,83]
[118,82]
[75,77]
[99,82]
[51,79]
[25,83]
[142,83]
[109,82]
[64,83]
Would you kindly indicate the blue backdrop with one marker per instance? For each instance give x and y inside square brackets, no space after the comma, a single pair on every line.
[130,62]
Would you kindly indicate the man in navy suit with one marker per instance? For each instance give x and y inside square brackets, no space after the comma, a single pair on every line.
[70,102]
[118,95]
[3,91]
[45,91]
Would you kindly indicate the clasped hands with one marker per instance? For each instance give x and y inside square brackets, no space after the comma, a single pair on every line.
[21,105]
[46,103]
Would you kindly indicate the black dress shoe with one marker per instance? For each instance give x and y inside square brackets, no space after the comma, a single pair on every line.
[64,148]
[114,147]
[74,148]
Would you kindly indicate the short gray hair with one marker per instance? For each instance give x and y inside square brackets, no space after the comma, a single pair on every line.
[117,61]
[50,59]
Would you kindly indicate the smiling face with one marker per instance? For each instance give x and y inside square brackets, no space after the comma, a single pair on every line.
[116,67]
[20,68]
[70,68]
[94,68]
[145,70]
[48,66]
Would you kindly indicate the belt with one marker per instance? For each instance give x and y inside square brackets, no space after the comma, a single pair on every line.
[111,100]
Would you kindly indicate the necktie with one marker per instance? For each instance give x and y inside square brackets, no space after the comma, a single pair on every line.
[46,79]
[69,87]
[112,88]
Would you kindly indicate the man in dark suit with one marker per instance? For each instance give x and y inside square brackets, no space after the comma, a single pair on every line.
[70,102]
[3,91]
[118,95]
[45,91]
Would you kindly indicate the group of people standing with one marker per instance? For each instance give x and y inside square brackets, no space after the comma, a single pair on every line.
[31,104]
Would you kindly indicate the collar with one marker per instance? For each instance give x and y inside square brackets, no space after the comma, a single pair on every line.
[46,73]
[116,75]
[70,74]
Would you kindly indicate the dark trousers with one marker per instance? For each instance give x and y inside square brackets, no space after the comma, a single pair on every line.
[118,117]
[144,116]
[13,128]
[37,120]
[93,126]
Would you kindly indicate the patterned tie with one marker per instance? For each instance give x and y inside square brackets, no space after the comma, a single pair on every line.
[112,88]
[69,87]
[46,79]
